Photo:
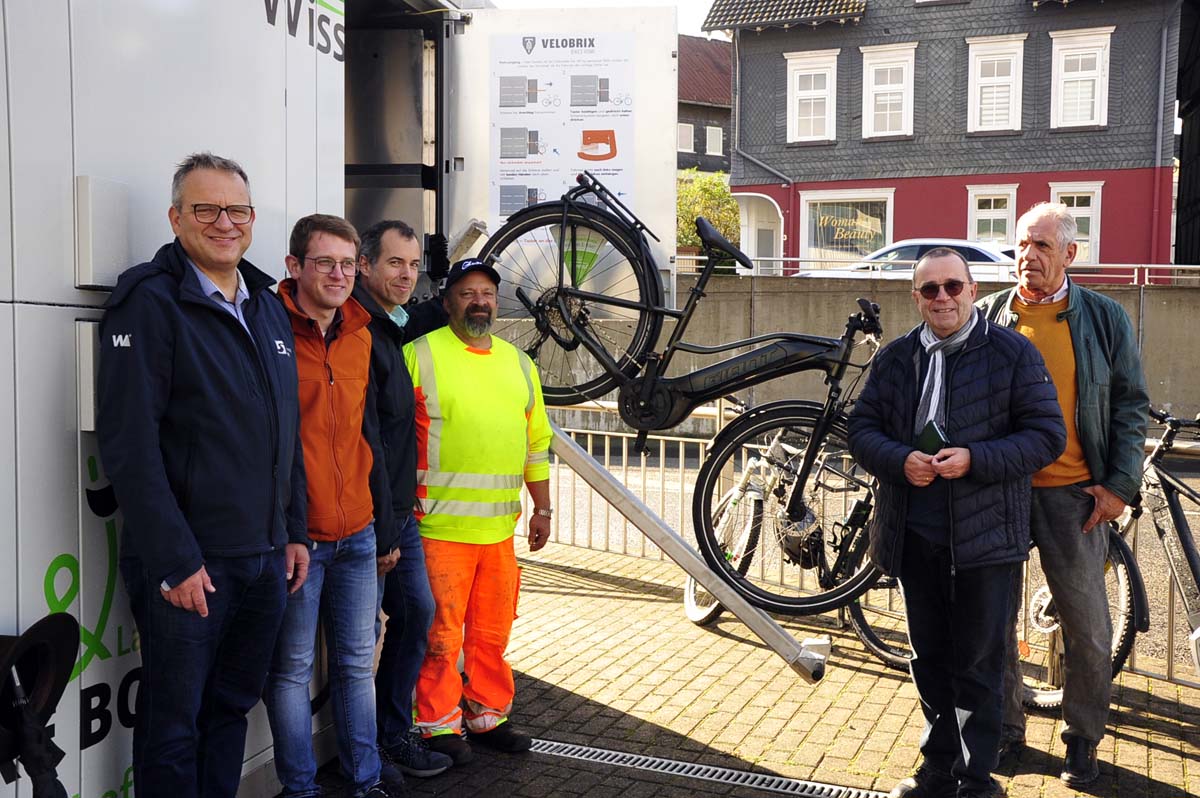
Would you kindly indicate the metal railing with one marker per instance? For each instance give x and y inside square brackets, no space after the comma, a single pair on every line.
[856,267]
[664,479]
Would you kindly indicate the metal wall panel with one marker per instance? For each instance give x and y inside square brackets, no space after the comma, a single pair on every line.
[383,107]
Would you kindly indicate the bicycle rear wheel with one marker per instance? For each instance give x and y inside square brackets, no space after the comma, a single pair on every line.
[878,620]
[1040,646]
[700,606]
[601,257]
[794,568]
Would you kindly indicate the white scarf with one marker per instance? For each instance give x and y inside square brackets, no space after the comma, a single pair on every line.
[932,406]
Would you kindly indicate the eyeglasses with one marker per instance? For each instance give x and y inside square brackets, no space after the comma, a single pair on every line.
[207,213]
[931,290]
[326,265]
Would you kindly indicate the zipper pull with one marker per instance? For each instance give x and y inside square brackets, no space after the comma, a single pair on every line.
[329,370]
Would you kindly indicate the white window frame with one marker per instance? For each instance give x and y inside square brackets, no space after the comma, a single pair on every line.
[888,55]
[812,62]
[868,194]
[691,136]
[988,48]
[1095,189]
[709,132]
[1077,42]
[974,193]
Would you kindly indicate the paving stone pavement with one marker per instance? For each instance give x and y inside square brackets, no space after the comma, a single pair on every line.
[605,657]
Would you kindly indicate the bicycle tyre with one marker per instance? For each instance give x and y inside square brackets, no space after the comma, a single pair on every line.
[878,619]
[837,490]
[700,606]
[1039,695]
[604,259]
[889,642]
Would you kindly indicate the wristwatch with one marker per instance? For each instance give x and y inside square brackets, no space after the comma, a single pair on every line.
[544,512]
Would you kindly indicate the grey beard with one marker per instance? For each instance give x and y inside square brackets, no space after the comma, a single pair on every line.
[477,329]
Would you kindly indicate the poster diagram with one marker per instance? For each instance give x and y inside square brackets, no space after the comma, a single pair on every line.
[559,105]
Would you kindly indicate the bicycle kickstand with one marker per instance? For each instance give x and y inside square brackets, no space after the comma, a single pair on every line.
[639,444]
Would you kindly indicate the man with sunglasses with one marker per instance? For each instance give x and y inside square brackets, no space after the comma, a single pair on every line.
[348,525]
[198,431]
[1092,354]
[954,419]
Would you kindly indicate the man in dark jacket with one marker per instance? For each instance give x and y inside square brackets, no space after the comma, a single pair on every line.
[198,431]
[1091,351]
[953,420]
[389,265]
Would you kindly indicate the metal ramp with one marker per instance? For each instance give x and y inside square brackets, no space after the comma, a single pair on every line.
[807,658]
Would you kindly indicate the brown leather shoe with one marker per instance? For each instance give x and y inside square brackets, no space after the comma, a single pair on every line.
[1080,765]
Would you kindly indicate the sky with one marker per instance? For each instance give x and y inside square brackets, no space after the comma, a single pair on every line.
[691,13]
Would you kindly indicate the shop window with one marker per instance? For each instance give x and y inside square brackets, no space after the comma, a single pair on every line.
[838,227]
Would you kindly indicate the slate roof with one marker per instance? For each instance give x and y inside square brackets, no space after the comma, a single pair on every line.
[729,14]
[704,71]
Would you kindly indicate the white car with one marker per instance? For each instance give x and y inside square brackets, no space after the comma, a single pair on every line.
[989,262]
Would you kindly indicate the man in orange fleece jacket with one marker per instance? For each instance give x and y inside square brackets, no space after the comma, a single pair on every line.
[338,432]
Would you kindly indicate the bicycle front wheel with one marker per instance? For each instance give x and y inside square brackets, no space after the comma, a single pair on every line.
[600,257]
[878,618]
[799,566]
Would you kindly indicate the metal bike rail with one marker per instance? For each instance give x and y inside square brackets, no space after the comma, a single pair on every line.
[806,658]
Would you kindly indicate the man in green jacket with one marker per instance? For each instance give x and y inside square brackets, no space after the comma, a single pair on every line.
[1090,350]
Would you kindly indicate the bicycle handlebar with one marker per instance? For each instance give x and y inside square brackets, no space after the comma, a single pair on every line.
[1164,417]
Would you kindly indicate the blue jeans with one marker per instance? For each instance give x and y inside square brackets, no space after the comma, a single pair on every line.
[341,591]
[200,676]
[404,595]
[957,627]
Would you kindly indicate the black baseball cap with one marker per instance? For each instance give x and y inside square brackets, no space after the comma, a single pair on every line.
[464,267]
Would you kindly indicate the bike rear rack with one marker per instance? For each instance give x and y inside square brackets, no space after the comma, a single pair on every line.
[807,657]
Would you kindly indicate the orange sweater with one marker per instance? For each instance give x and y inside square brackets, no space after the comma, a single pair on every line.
[333,395]
[1052,337]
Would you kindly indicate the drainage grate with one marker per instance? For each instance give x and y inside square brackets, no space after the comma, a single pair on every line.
[761,781]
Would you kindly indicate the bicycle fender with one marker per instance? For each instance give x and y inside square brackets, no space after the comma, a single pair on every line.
[734,428]
[1141,604]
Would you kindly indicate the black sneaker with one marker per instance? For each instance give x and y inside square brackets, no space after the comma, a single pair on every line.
[412,756]
[927,782]
[504,738]
[1080,765]
[1010,750]
[993,790]
[385,790]
[452,745]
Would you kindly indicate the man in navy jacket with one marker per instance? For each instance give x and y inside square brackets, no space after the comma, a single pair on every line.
[198,428]
[954,419]
[389,265]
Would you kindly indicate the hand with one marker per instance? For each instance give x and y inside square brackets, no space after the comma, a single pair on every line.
[918,468]
[539,531]
[1108,506]
[952,462]
[388,561]
[189,594]
[296,555]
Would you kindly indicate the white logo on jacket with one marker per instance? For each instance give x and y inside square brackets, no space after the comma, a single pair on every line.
[125,340]
[281,348]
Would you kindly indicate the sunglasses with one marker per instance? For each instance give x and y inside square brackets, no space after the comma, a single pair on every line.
[931,290]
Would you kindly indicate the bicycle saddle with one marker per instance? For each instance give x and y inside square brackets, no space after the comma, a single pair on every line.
[714,240]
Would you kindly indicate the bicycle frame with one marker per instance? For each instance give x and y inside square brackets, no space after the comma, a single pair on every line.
[1161,493]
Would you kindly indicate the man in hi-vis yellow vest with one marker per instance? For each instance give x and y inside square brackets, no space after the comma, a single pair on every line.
[482,431]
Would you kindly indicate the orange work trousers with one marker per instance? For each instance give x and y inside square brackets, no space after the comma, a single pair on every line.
[475,592]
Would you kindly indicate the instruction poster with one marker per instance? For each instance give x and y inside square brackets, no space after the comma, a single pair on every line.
[560,104]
